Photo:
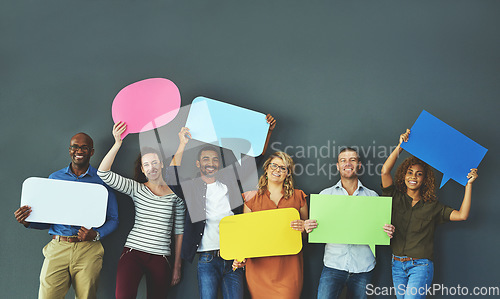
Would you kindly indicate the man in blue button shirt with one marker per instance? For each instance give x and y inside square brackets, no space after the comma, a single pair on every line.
[347,264]
[74,256]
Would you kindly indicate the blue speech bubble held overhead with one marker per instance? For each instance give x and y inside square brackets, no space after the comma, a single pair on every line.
[444,148]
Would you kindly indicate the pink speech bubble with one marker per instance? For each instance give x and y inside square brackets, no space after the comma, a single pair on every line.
[146,105]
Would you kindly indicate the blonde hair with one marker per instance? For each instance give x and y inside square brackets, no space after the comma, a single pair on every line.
[288,184]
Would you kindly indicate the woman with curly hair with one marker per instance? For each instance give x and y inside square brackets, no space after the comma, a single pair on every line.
[276,276]
[415,214]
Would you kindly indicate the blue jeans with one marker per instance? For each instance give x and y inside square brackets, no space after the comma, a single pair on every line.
[213,271]
[332,281]
[413,278]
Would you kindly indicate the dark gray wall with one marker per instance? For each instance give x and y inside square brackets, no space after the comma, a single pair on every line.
[331,72]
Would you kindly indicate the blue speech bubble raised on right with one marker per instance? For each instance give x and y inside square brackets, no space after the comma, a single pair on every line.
[444,148]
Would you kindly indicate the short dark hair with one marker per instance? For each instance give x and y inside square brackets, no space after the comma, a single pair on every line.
[208,148]
[89,139]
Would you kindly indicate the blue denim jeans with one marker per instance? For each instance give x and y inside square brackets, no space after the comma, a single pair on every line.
[215,272]
[413,278]
[332,281]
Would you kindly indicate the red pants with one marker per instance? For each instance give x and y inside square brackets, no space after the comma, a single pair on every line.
[133,265]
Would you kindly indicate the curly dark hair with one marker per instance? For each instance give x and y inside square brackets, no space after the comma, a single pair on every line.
[428,188]
[139,176]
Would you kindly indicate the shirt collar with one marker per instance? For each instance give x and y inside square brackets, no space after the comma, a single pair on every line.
[68,171]
[339,185]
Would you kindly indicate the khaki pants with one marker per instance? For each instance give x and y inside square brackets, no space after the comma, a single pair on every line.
[68,263]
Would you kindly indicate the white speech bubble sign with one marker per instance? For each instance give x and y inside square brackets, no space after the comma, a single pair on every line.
[65,202]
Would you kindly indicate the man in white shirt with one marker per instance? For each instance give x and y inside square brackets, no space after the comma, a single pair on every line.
[213,195]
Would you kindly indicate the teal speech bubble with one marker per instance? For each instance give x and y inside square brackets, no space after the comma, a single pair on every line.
[236,128]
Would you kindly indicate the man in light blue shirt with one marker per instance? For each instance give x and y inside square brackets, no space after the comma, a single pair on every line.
[347,264]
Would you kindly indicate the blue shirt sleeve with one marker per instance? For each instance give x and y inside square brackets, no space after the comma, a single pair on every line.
[37,225]
[111,215]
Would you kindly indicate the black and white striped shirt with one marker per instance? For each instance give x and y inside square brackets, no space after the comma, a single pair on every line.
[155,216]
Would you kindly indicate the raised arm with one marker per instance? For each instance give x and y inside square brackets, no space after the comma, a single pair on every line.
[272,123]
[108,160]
[463,213]
[391,161]
[184,136]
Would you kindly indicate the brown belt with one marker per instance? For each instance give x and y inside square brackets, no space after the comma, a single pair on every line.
[71,239]
[212,252]
[403,259]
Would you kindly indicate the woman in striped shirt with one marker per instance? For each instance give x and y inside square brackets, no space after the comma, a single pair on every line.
[157,211]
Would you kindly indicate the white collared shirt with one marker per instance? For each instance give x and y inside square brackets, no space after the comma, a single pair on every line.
[217,207]
[349,257]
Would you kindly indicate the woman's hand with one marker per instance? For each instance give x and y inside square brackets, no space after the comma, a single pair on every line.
[108,160]
[404,137]
[184,135]
[118,130]
[389,229]
[298,225]
[176,276]
[472,176]
[271,121]
[237,264]
[385,172]
[464,211]
[310,224]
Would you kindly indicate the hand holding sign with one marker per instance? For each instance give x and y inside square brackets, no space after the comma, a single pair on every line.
[118,130]
[443,148]
[258,234]
[146,105]
[22,214]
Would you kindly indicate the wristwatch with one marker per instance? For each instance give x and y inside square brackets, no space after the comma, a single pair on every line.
[97,236]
